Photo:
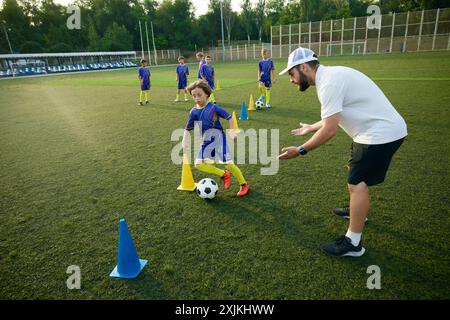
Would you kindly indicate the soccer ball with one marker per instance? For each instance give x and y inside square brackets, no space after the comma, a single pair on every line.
[259,104]
[207,188]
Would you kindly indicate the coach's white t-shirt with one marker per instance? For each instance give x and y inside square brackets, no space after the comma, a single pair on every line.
[367,116]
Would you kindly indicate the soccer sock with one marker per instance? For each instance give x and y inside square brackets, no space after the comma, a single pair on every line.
[141,96]
[355,237]
[185,95]
[212,98]
[234,169]
[267,95]
[146,95]
[209,168]
[178,96]
[261,90]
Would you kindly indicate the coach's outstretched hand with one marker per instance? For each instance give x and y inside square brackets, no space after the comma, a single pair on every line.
[288,153]
[303,130]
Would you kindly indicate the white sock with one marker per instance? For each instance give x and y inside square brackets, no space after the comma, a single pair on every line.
[355,237]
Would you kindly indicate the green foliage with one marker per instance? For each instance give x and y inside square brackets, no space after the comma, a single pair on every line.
[59,47]
[175,23]
[116,38]
[31,47]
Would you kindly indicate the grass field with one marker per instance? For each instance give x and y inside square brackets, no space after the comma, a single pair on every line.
[77,155]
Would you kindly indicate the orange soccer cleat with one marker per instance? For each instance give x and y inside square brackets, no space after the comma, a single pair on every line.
[243,190]
[226,178]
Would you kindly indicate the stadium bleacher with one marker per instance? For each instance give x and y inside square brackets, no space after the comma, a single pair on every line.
[28,71]
[28,68]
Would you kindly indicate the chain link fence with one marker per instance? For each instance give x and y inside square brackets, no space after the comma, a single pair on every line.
[425,30]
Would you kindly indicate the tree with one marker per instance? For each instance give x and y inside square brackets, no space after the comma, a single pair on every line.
[117,38]
[260,15]
[93,37]
[31,47]
[247,17]
[229,17]
[16,23]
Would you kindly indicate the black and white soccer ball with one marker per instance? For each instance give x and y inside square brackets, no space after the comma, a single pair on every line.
[207,188]
[259,104]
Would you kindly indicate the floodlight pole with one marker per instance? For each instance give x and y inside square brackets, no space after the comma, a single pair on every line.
[223,41]
[154,45]
[142,43]
[148,44]
[7,38]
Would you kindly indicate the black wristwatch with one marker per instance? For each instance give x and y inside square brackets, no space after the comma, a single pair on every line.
[302,150]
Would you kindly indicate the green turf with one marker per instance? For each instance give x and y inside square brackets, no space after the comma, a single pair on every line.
[77,155]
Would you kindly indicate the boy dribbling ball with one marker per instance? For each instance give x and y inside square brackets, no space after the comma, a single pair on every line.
[144,80]
[182,78]
[214,148]
[266,72]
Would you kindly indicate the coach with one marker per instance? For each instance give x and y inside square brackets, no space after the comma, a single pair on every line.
[350,100]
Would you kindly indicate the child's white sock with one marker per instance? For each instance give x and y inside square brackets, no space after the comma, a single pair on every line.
[355,237]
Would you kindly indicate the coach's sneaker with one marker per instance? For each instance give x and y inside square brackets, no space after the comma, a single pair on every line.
[268,106]
[343,247]
[226,178]
[343,212]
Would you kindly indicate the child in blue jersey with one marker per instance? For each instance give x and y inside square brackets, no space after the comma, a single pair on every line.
[266,71]
[214,148]
[201,61]
[144,79]
[182,78]
[208,74]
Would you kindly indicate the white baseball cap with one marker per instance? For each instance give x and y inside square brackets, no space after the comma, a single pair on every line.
[298,56]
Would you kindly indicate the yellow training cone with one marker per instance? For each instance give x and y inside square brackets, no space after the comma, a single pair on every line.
[235,124]
[218,86]
[187,180]
[251,104]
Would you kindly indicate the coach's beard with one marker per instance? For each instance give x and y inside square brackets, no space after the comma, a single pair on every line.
[303,82]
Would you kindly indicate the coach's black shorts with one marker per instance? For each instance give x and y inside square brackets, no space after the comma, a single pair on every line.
[369,163]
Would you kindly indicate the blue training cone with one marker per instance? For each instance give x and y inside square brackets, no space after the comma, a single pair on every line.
[128,264]
[243,115]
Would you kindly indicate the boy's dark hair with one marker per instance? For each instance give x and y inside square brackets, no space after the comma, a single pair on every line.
[208,56]
[202,84]
[199,54]
[180,57]
[143,61]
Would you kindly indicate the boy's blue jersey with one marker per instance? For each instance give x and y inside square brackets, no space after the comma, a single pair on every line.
[200,65]
[209,116]
[265,67]
[144,74]
[207,71]
[183,72]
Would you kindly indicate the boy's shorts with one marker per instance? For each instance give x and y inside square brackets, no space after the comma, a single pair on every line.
[182,85]
[215,150]
[145,86]
[369,163]
[265,83]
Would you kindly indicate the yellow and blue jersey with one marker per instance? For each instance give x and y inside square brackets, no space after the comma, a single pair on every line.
[207,71]
[144,74]
[200,65]
[265,67]
[209,117]
[214,147]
